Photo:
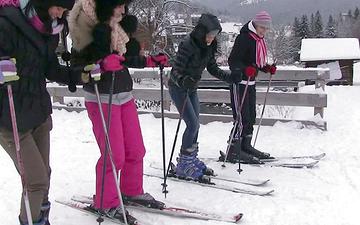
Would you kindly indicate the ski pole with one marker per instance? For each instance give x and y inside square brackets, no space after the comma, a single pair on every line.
[108,150]
[161,67]
[238,123]
[263,109]
[18,154]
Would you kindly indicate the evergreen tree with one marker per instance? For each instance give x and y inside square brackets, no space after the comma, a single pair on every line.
[312,26]
[296,28]
[356,13]
[295,40]
[318,26]
[331,28]
[304,27]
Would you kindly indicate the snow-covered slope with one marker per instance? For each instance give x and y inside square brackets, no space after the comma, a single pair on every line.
[328,194]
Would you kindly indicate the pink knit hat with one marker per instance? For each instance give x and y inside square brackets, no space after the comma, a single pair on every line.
[9,3]
[263,18]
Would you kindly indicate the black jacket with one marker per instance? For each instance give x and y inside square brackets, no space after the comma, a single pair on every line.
[194,55]
[36,61]
[243,53]
[100,48]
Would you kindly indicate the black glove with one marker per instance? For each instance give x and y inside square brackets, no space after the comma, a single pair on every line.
[236,77]
[188,82]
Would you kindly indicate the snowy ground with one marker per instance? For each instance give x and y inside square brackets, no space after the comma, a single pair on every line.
[328,194]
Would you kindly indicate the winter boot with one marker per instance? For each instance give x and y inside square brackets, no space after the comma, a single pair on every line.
[200,164]
[246,147]
[145,200]
[235,154]
[45,210]
[41,222]
[117,213]
[186,168]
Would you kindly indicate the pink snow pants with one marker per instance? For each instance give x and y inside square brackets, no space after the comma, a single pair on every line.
[127,148]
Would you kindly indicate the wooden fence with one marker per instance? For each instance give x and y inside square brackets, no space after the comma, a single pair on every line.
[316,99]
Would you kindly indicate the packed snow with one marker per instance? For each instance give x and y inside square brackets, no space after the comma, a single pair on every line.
[318,49]
[327,194]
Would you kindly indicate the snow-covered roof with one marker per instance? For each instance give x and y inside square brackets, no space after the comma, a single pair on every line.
[318,49]
[231,27]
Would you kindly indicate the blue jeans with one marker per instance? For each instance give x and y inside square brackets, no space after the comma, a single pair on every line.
[190,113]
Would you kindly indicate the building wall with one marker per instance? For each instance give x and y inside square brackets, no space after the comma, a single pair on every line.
[346,67]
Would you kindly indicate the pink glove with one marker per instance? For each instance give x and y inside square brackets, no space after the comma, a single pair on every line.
[112,63]
[160,59]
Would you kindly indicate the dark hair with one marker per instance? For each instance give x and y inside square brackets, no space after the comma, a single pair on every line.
[43,13]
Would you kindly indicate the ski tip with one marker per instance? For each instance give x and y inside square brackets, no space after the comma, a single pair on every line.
[238,217]
[322,155]
[268,193]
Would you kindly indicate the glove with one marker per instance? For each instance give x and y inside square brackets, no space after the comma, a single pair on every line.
[94,71]
[157,60]
[8,71]
[270,69]
[112,63]
[188,83]
[250,71]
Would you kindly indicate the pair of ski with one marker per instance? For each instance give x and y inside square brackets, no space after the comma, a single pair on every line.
[243,186]
[82,203]
[244,183]
[308,161]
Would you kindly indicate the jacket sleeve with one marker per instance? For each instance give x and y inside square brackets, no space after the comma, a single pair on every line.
[238,53]
[63,74]
[6,43]
[133,59]
[213,69]
[183,56]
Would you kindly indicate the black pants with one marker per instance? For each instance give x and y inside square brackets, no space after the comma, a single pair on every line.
[248,112]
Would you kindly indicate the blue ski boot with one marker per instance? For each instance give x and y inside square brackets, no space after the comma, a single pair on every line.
[200,164]
[187,169]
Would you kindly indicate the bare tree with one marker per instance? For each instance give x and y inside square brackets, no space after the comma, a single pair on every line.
[155,21]
[281,44]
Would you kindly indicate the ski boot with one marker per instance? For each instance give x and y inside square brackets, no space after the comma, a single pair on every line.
[187,169]
[45,210]
[145,200]
[200,164]
[246,146]
[117,213]
[235,154]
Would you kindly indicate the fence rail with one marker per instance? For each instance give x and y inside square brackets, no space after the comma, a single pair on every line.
[316,100]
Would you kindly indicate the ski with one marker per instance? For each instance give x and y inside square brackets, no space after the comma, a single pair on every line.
[171,211]
[314,157]
[216,186]
[86,209]
[240,180]
[280,162]
[280,158]
[289,164]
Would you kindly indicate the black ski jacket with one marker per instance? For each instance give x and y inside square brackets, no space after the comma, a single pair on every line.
[194,55]
[36,61]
